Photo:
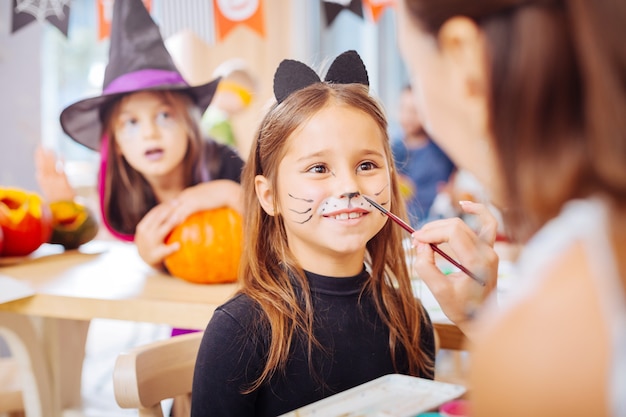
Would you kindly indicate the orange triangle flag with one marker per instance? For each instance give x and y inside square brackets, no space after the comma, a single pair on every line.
[105,14]
[375,8]
[230,13]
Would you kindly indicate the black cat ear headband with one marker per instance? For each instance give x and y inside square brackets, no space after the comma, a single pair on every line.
[291,76]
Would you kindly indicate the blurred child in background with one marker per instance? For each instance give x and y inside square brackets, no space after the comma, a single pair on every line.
[234,95]
[424,168]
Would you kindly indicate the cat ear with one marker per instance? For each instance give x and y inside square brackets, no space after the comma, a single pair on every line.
[291,76]
[347,68]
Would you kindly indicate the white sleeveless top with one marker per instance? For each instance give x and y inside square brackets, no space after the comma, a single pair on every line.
[585,221]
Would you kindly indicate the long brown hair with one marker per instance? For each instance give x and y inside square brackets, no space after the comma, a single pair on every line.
[267,262]
[127,195]
[557,97]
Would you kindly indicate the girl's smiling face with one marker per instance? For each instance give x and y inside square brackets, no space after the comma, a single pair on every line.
[150,134]
[330,162]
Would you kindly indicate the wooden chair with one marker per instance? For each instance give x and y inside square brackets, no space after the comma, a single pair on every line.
[11,401]
[25,384]
[452,367]
[448,336]
[149,374]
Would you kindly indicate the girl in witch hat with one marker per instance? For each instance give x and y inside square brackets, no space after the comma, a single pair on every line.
[156,168]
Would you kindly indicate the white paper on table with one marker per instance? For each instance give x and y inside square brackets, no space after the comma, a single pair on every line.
[13,289]
[391,395]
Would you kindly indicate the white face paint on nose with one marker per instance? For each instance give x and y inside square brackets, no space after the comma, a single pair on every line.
[346,202]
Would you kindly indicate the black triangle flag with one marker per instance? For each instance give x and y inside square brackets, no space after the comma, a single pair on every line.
[333,8]
[57,12]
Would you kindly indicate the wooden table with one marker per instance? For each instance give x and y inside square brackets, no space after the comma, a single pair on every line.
[101,280]
[109,280]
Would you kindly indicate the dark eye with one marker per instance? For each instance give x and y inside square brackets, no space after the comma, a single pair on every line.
[318,169]
[129,123]
[367,166]
[128,127]
[163,116]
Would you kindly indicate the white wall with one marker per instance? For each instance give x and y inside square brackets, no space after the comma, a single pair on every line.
[20,100]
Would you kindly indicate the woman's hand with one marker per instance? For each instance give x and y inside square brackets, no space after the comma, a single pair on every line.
[458,294]
[151,232]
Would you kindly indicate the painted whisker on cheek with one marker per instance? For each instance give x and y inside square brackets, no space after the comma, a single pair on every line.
[300,198]
[304,221]
[380,192]
[300,212]
[303,211]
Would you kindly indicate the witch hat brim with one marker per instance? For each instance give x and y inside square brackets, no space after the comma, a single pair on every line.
[138,61]
[82,120]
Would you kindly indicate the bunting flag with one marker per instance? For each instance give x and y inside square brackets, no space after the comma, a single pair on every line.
[56,12]
[230,13]
[105,13]
[375,8]
[333,7]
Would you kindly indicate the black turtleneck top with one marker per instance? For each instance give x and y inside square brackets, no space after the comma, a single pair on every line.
[355,350]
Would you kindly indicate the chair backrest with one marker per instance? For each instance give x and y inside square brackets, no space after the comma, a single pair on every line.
[148,374]
[25,381]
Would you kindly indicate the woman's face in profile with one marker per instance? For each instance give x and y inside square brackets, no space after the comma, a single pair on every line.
[447,73]
[420,56]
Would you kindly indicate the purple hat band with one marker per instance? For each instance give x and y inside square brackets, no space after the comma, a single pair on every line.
[143,79]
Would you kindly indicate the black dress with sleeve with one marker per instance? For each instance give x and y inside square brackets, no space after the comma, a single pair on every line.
[217,162]
[355,350]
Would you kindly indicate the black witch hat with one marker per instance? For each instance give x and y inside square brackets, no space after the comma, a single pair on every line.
[138,61]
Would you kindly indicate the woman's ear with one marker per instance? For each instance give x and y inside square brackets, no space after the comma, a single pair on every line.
[463,46]
[265,194]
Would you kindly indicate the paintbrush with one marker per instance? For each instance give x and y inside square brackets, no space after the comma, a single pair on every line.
[409,229]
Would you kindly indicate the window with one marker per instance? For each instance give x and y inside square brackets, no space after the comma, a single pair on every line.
[72,69]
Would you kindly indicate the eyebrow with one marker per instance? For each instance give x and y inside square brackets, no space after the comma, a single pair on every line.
[366,152]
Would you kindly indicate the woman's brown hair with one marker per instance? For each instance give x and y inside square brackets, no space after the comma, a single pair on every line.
[268,266]
[127,195]
[557,71]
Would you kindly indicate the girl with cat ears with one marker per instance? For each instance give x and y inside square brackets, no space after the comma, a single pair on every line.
[326,300]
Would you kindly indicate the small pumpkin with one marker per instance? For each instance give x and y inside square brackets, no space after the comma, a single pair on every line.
[25,220]
[210,247]
[73,224]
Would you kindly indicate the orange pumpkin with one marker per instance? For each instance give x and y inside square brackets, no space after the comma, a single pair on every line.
[210,247]
[25,220]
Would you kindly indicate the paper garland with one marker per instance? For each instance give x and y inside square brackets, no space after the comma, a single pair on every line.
[372,8]
[105,13]
[56,12]
[227,14]
[232,13]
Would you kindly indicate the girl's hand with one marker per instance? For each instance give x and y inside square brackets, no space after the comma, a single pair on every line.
[151,232]
[458,294]
[50,177]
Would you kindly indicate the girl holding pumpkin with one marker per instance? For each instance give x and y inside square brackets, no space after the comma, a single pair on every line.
[156,167]
[326,301]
